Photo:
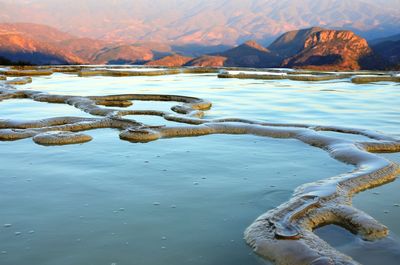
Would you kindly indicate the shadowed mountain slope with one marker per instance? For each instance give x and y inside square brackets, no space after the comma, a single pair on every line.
[250,54]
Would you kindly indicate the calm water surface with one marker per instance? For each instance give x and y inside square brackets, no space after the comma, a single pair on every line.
[185,200]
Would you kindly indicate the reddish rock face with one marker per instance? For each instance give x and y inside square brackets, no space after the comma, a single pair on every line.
[174,60]
[330,50]
[208,61]
[31,43]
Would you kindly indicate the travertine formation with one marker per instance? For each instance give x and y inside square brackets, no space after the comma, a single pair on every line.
[355,77]
[371,79]
[284,234]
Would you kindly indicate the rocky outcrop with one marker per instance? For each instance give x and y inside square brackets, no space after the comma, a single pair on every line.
[314,48]
[208,61]
[292,42]
[174,60]
[27,43]
[330,50]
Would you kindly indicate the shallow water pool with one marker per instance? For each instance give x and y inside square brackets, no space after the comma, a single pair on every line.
[185,200]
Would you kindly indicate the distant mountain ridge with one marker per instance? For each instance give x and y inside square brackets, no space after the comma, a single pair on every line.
[41,44]
[313,48]
[207,22]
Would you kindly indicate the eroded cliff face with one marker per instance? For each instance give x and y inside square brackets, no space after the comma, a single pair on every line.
[330,50]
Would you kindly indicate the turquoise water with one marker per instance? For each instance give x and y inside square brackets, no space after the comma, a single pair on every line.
[185,200]
[26,109]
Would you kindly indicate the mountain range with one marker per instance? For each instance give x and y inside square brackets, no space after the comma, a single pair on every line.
[204,22]
[312,48]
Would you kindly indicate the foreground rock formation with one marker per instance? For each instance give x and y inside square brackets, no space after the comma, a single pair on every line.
[27,43]
[284,234]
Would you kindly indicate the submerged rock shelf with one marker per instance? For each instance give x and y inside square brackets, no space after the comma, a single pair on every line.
[284,234]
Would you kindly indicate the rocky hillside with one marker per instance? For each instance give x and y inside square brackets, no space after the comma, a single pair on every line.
[40,44]
[292,42]
[84,48]
[312,48]
[35,45]
[329,50]
[250,54]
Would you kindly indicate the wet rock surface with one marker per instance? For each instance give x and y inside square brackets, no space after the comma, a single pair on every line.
[61,138]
